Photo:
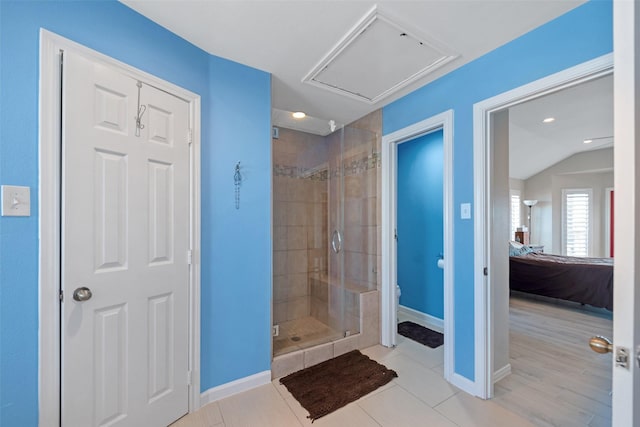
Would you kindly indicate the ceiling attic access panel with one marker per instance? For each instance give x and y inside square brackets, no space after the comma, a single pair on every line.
[377,58]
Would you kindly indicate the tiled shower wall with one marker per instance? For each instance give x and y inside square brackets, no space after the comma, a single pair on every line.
[300,218]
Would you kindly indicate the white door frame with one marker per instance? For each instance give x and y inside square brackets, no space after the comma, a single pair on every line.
[389,272]
[581,73]
[49,219]
[626,297]
[607,221]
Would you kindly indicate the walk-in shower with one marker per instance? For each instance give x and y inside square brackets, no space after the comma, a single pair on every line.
[325,196]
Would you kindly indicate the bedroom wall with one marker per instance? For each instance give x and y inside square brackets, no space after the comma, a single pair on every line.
[420,224]
[589,169]
[580,35]
[236,106]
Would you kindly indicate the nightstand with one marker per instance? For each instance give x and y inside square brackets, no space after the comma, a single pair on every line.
[522,237]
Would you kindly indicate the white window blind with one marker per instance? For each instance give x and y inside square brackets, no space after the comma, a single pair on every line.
[515,213]
[577,210]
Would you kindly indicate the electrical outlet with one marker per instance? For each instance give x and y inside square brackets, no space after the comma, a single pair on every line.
[276,330]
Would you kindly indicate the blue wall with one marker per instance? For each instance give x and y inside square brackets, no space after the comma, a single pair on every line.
[420,224]
[578,36]
[236,245]
[235,127]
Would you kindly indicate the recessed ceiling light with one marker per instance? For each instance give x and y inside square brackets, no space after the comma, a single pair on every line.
[298,115]
[549,120]
[588,141]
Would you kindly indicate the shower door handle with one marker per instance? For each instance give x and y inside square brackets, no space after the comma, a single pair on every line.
[336,241]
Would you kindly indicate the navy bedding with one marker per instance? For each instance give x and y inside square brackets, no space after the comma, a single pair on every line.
[583,280]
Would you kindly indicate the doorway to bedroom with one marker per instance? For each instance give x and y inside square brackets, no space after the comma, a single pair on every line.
[551,183]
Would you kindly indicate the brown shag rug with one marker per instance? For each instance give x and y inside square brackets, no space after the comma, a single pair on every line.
[330,385]
[419,333]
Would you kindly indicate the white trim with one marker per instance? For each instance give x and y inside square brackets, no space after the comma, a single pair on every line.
[625,402]
[196,262]
[563,224]
[49,235]
[389,271]
[461,382]
[502,373]
[607,221]
[581,73]
[234,387]
[423,318]
[446,56]
[515,193]
[49,219]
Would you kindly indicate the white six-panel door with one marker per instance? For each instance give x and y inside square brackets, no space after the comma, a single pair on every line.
[125,236]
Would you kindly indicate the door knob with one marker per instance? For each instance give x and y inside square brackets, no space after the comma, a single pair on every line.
[601,344]
[336,241]
[82,294]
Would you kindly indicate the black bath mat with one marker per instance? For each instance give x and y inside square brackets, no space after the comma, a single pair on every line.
[330,385]
[421,334]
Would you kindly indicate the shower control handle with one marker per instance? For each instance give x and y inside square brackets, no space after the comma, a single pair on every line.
[336,241]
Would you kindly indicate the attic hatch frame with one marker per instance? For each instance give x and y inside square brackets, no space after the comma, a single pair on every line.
[353,36]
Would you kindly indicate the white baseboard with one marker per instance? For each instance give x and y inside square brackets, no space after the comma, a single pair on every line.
[501,373]
[235,387]
[423,318]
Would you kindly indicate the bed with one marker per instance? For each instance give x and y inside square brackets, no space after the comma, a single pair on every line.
[582,280]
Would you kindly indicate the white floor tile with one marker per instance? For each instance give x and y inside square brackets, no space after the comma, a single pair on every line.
[396,407]
[207,416]
[469,411]
[429,357]
[262,406]
[422,382]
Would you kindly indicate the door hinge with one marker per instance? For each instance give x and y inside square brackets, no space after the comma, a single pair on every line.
[395,234]
[61,295]
[485,271]
[189,377]
[189,136]
[189,257]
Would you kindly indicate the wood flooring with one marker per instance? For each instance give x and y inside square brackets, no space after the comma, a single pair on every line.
[556,379]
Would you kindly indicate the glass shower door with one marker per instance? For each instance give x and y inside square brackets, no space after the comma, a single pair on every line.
[336,283]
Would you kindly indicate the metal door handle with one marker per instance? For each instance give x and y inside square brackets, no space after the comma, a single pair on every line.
[336,237]
[601,344]
[82,294]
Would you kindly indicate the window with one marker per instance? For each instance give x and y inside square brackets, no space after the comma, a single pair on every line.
[516,221]
[576,210]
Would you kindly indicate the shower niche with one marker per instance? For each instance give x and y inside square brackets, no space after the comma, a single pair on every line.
[325,234]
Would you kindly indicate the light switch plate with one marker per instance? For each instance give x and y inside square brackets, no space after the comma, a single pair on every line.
[16,201]
[465,210]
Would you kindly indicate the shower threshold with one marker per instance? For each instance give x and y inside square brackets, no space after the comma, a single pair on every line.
[303,333]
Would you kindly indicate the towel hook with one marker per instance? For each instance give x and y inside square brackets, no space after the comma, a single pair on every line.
[141,110]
